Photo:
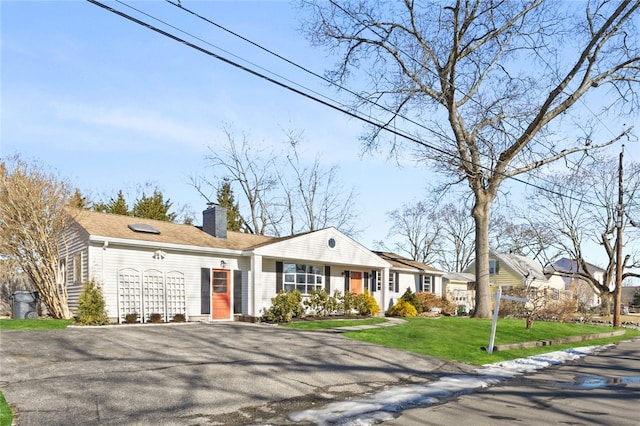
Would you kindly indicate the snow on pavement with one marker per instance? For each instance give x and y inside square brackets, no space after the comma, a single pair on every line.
[386,405]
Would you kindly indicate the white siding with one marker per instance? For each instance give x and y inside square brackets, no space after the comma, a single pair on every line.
[75,244]
[106,262]
[314,247]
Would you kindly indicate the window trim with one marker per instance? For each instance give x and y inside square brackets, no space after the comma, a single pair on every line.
[303,277]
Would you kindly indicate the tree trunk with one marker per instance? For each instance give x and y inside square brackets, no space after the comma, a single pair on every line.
[480,213]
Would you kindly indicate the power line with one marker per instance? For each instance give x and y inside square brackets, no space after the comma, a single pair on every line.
[368,120]
[359,96]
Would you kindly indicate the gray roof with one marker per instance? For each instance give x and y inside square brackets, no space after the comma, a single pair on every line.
[464,277]
[521,265]
[570,266]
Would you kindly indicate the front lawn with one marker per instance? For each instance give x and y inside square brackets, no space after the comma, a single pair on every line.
[6,416]
[461,339]
[33,324]
[324,324]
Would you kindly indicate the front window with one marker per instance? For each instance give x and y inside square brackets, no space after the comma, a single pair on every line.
[427,283]
[493,267]
[301,277]
[392,282]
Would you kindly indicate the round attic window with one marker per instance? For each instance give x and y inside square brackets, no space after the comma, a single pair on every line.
[331,242]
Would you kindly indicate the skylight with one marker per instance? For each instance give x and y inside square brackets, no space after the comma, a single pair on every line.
[143,227]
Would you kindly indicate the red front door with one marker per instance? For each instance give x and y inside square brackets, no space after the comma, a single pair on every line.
[356,282]
[220,295]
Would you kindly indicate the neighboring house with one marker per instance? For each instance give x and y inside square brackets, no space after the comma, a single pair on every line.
[513,270]
[580,289]
[208,273]
[459,287]
[629,295]
[408,274]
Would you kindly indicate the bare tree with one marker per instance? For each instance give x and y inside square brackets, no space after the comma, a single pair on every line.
[581,207]
[315,197]
[34,225]
[284,194]
[520,234]
[418,232]
[493,85]
[254,171]
[458,230]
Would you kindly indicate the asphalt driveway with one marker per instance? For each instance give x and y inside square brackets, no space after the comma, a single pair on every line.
[187,374]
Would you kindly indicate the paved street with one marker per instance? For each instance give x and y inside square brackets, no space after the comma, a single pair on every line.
[602,389]
[223,373]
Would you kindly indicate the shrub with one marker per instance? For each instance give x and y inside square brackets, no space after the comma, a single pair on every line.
[366,304]
[285,306]
[317,301]
[411,297]
[402,308]
[348,303]
[427,301]
[447,306]
[179,318]
[541,306]
[131,318]
[156,318]
[91,305]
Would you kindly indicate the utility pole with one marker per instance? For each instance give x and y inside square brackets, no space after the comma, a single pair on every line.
[618,290]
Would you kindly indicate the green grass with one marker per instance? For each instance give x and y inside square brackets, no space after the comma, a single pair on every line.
[6,416]
[324,324]
[461,339]
[33,324]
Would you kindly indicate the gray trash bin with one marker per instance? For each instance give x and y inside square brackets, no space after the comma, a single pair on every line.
[24,304]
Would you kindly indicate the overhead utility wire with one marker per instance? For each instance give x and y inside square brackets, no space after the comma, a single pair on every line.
[451,86]
[314,98]
[340,87]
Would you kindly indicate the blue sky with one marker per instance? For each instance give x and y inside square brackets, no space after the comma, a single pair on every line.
[111,105]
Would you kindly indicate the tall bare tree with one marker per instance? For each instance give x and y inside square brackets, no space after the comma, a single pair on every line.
[315,198]
[581,207]
[417,231]
[492,86]
[34,225]
[253,169]
[284,194]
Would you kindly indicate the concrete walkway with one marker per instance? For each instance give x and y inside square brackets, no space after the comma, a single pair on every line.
[391,321]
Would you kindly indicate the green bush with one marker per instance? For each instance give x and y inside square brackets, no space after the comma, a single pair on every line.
[347,303]
[91,305]
[317,301]
[285,306]
[412,298]
[402,308]
[366,304]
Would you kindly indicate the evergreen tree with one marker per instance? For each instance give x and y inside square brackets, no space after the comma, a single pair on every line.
[91,305]
[78,201]
[227,200]
[114,206]
[154,207]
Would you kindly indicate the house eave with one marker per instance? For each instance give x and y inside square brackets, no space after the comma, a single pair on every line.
[170,246]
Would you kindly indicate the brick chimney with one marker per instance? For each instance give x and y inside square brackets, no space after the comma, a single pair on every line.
[214,221]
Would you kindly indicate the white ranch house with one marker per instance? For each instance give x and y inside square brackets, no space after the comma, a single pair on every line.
[208,273]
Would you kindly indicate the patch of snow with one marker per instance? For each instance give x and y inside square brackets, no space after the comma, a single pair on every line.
[386,405]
